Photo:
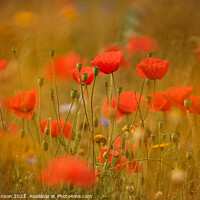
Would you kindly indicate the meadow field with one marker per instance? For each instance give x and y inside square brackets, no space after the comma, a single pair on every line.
[100,99]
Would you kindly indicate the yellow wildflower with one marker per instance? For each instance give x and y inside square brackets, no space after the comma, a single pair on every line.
[160,146]
[99,139]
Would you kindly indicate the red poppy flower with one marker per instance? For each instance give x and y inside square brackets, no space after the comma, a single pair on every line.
[16,105]
[152,68]
[68,169]
[118,144]
[195,105]
[87,70]
[3,64]
[161,102]
[177,95]
[140,45]
[103,150]
[63,65]
[131,167]
[108,62]
[54,132]
[109,113]
[128,103]
[125,61]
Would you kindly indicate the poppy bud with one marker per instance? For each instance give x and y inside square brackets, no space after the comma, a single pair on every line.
[160,125]
[106,84]
[158,196]
[45,145]
[96,71]
[187,103]
[148,99]
[126,153]
[47,130]
[164,136]
[188,156]
[150,54]
[174,137]
[14,50]
[73,94]
[153,137]
[22,133]
[79,66]
[52,53]
[85,77]
[40,81]
[106,155]
[119,90]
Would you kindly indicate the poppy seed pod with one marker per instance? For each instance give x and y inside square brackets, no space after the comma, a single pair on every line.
[45,145]
[160,125]
[14,50]
[73,94]
[52,53]
[96,71]
[47,130]
[119,90]
[85,77]
[187,103]
[174,137]
[188,156]
[40,81]
[79,66]
[164,136]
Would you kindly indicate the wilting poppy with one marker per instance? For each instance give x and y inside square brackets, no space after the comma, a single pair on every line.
[16,105]
[130,167]
[110,114]
[68,170]
[104,150]
[125,61]
[128,102]
[161,102]
[140,45]
[108,62]
[56,128]
[177,95]
[3,64]
[64,64]
[152,68]
[118,144]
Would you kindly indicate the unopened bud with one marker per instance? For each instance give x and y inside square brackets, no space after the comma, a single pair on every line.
[119,90]
[73,94]
[106,155]
[150,54]
[164,136]
[14,50]
[96,71]
[160,125]
[187,103]
[22,133]
[45,145]
[79,66]
[40,81]
[106,84]
[85,77]
[52,53]
[148,99]
[47,130]
[188,156]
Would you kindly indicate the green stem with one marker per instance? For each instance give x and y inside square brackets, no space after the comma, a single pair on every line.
[2,121]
